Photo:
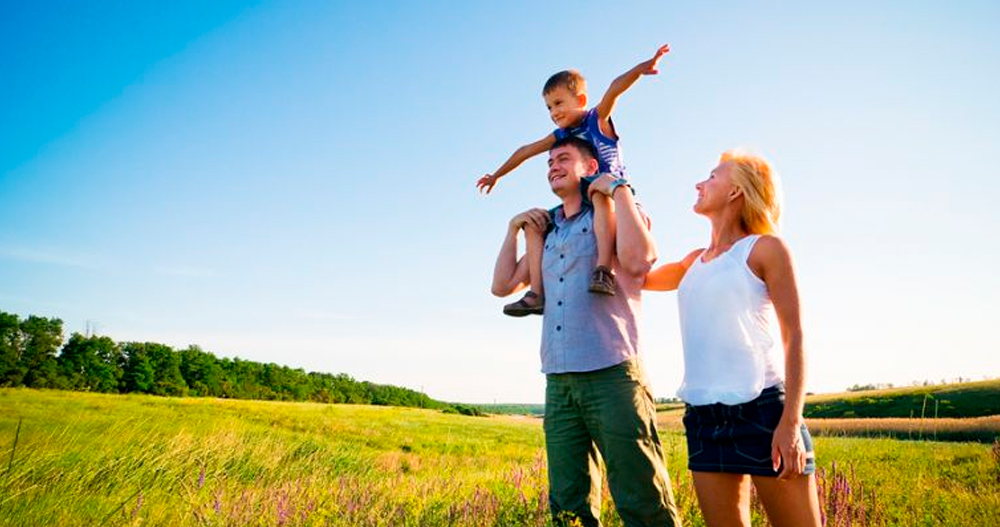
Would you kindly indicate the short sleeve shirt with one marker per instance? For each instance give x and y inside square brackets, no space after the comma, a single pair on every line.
[582,331]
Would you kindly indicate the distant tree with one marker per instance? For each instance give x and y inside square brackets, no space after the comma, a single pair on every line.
[90,364]
[42,339]
[202,372]
[11,345]
[166,365]
[30,356]
[137,372]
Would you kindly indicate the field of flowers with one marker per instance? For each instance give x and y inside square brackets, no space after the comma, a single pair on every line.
[86,459]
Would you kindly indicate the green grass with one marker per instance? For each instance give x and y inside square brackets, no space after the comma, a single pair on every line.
[88,459]
[972,399]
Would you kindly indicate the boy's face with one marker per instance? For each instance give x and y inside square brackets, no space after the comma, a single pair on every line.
[565,108]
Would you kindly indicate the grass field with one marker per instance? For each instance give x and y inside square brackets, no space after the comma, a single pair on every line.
[969,399]
[87,459]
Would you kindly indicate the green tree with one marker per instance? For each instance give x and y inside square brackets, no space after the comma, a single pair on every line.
[42,339]
[202,372]
[137,372]
[11,371]
[90,364]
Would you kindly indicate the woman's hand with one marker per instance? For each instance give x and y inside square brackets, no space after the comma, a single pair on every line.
[787,450]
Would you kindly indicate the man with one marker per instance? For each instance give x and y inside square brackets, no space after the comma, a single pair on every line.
[598,405]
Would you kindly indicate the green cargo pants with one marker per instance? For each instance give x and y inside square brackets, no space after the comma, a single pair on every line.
[606,414]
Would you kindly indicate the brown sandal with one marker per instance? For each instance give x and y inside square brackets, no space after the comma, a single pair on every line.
[523,308]
[602,281]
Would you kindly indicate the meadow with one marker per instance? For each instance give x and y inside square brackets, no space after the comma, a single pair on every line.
[73,459]
[957,400]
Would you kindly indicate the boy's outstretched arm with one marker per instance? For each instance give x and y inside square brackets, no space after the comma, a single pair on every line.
[624,82]
[487,182]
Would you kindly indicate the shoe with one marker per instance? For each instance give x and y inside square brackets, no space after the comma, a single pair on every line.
[524,307]
[602,281]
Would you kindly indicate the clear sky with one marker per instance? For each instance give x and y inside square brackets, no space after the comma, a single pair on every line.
[294,182]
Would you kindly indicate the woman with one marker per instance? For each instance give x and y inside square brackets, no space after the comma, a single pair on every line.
[744,397]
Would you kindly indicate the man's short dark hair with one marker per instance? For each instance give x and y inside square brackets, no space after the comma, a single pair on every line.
[584,147]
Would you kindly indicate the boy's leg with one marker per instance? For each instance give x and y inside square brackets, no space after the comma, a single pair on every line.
[620,412]
[533,302]
[534,242]
[573,460]
[603,281]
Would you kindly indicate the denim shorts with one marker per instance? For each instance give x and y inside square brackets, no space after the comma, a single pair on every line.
[737,438]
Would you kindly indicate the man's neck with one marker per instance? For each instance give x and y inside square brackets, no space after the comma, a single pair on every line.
[572,205]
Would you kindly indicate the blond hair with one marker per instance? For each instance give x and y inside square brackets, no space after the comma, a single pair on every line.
[572,80]
[753,175]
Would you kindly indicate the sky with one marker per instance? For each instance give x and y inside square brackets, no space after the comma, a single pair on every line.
[294,182]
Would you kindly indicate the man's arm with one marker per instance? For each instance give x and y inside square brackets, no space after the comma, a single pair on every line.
[510,274]
[622,84]
[635,248]
[522,154]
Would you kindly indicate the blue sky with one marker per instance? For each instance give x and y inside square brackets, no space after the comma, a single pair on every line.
[293,182]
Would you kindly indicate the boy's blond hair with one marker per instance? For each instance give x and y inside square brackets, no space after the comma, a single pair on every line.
[753,175]
[572,80]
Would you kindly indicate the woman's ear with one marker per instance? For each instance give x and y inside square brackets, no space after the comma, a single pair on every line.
[734,193]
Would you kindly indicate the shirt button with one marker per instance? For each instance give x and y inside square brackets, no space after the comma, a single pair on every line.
[584,229]
[558,328]
[562,255]
[559,303]
[560,279]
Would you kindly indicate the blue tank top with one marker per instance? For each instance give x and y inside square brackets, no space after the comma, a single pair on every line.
[609,157]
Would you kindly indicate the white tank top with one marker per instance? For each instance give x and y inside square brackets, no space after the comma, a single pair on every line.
[732,344]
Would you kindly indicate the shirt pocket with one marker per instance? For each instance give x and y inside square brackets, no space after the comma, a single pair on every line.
[581,240]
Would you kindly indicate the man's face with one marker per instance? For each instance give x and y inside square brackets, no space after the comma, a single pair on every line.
[567,166]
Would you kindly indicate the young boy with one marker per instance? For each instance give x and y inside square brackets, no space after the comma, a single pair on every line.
[565,95]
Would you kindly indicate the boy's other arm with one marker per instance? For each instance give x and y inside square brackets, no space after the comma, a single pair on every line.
[622,84]
[487,182]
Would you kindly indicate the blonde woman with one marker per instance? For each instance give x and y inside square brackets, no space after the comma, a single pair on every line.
[744,365]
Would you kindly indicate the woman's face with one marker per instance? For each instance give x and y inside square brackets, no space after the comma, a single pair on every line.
[716,191]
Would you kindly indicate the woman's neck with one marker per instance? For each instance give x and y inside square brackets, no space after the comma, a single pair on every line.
[726,230]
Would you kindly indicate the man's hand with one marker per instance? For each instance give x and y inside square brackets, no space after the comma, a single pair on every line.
[787,450]
[531,218]
[649,67]
[603,184]
[487,182]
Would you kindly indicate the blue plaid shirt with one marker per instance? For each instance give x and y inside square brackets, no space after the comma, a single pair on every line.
[583,331]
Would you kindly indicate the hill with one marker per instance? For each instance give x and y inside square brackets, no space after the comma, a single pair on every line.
[33,355]
[971,399]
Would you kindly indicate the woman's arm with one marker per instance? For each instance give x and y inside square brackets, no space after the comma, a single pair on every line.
[667,277]
[772,262]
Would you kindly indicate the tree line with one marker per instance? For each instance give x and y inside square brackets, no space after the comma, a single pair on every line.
[33,354]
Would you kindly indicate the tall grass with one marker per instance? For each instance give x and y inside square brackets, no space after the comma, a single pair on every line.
[85,459]
[981,429]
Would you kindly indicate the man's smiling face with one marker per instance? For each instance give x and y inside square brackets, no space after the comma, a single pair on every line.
[567,166]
